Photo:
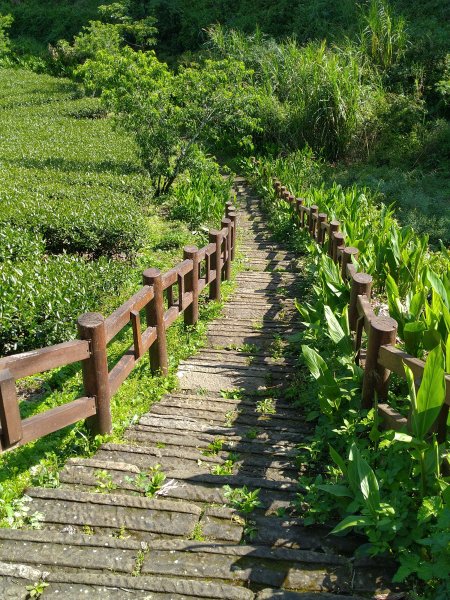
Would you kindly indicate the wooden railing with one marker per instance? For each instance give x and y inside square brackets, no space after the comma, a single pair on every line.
[163,297]
[380,357]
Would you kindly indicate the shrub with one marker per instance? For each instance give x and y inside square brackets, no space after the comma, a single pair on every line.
[94,226]
[312,95]
[17,243]
[41,298]
[199,197]
[5,24]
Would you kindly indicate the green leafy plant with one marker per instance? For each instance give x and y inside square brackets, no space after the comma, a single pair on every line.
[149,483]
[242,498]
[214,447]
[37,589]
[105,482]
[266,406]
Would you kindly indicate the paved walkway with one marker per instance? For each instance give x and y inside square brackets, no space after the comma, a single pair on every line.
[227,425]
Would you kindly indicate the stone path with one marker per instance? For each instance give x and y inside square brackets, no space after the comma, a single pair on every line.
[227,425]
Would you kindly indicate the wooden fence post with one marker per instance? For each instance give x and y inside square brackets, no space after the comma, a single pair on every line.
[334,228]
[338,243]
[228,207]
[321,218]
[348,254]
[215,237]
[313,212]
[191,285]
[91,327]
[233,218]
[10,419]
[361,286]
[382,330]
[298,208]
[227,260]
[155,318]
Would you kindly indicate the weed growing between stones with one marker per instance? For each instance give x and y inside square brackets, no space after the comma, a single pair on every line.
[213,448]
[230,417]
[105,482]
[36,589]
[232,394]
[266,406]
[149,483]
[197,533]
[140,559]
[242,498]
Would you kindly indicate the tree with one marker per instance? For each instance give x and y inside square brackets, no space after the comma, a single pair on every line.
[171,114]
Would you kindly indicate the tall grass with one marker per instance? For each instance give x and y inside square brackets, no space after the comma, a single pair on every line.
[311,94]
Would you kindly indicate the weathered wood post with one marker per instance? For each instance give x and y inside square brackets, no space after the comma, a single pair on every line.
[334,228]
[228,243]
[155,318]
[382,330]
[233,218]
[321,218]
[298,208]
[361,286]
[313,212]
[191,285]
[91,327]
[10,419]
[215,237]
[338,243]
[348,254]
[228,207]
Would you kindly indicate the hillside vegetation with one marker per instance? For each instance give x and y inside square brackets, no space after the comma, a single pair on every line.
[346,103]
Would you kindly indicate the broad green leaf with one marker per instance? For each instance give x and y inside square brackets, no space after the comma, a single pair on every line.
[338,460]
[416,304]
[341,491]
[368,484]
[413,334]
[431,394]
[335,330]
[438,286]
[314,362]
[351,521]
[431,339]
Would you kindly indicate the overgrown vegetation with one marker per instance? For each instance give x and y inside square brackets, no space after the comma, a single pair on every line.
[390,486]
[348,104]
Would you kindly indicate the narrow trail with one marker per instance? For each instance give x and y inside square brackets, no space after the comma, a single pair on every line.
[185,542]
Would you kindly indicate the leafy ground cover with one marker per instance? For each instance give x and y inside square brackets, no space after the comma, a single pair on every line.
[389,486]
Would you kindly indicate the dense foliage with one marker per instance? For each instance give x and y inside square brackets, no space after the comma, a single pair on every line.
[387,485]
[347,103]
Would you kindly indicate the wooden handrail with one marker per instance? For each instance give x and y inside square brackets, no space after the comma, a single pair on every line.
[381,356]
[96,332]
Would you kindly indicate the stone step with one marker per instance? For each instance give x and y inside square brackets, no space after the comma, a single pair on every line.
[196,377]
[244,357]
[251,565]
[98,586]
[246,565]
[143,518]
[192,486]
[223,402]
[173,458]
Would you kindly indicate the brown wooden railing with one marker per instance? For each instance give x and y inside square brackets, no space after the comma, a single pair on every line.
[380,357]
[164,296]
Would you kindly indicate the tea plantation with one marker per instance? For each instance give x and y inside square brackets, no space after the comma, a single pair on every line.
[75,210]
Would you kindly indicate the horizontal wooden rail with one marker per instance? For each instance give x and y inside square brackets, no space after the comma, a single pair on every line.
[120,317]
[381,356]
[179,288]
[45,359]
[394,359]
